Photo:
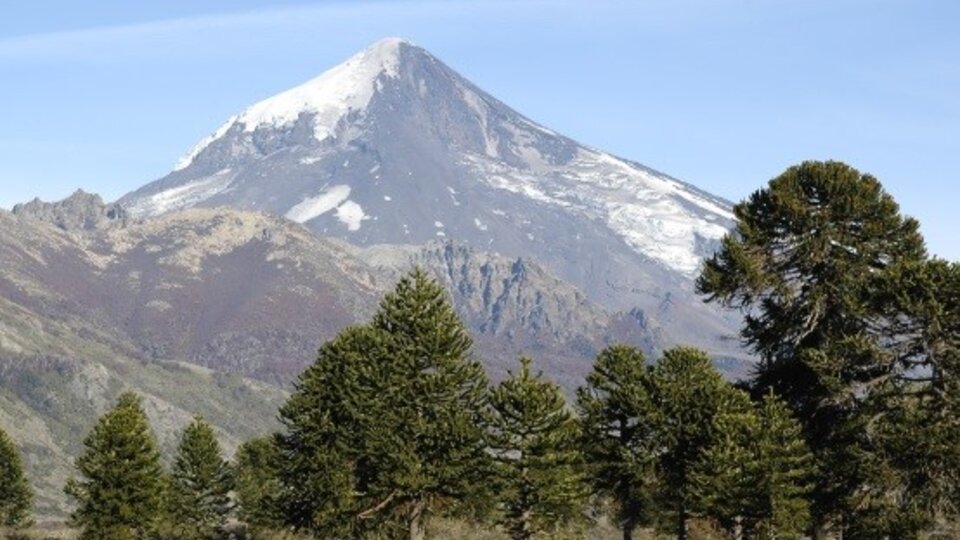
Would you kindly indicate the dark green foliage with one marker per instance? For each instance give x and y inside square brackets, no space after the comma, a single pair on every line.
[16,497]
[780,474]
[120,489]
[804,264]
[915,406]
[257,483]
[756,480]
[441,395]
[383,429]
[199,498]
[334,408]
[534,436]
[619,421]
[694,407]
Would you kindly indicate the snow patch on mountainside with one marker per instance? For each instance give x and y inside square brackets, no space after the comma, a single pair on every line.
[646,210]
[329,97]
[314,207]
[183,196]
[351,214]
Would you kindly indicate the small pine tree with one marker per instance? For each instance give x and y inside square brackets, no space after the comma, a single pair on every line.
[120,490]
[534,436]
[257,483]
[781,473]
[756,479]
[692,399]
[199,497]
[618,418]
[16,497]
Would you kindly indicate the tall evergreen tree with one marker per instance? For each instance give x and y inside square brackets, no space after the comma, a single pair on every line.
[534,436]
[441,393]
[781,472]
[16,497]
[383,429]
[202,480]
[757,479]
[801,264]
[335,423]
[119,492]
[257,483]
[619,420]
[693,402]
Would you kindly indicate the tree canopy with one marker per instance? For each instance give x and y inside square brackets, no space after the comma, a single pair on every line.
[16,495]
[120,490]
[533,437]
[845,311]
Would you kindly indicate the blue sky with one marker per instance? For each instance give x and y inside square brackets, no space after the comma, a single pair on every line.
[725,94]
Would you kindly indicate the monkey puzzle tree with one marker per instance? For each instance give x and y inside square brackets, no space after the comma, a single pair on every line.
[802,264]
[619,420]
[199,497]
[16,497]
[384,429]
[120,490]
[534,436]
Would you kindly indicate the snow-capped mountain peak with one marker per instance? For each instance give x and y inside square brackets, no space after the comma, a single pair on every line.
[328,98]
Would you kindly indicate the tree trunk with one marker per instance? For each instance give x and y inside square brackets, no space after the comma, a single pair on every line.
[682,522]
[416,522]
[628,527]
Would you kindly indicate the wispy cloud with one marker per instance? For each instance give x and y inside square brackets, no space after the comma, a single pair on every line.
[101,43]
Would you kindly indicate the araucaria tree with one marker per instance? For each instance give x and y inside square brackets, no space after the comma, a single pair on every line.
[619,420]
[915,405]
[199,498]
[808,263]
[696,411]
[119,493]
[534,439]
[755,481]
[257,483]
[384,428]
[16,497]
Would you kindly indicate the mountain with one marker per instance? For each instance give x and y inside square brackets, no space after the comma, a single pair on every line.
[394,147]
[63,361]
[214,311]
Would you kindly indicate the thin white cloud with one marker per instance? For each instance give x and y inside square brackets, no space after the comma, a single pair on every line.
[113,41]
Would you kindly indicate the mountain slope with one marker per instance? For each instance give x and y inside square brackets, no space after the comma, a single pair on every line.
[394,147]
[214,311]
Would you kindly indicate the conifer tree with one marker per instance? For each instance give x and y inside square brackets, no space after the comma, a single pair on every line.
[16,497]
[440,394]
[534,437]
[756,479]
[119,492]
[916,408]
[619,420]
[257,483]
[383,429]
[334,423]
[693,402]
[802,264]
[201,484]
[780,474]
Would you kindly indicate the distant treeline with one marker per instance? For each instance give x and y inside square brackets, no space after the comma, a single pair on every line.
[849,426]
